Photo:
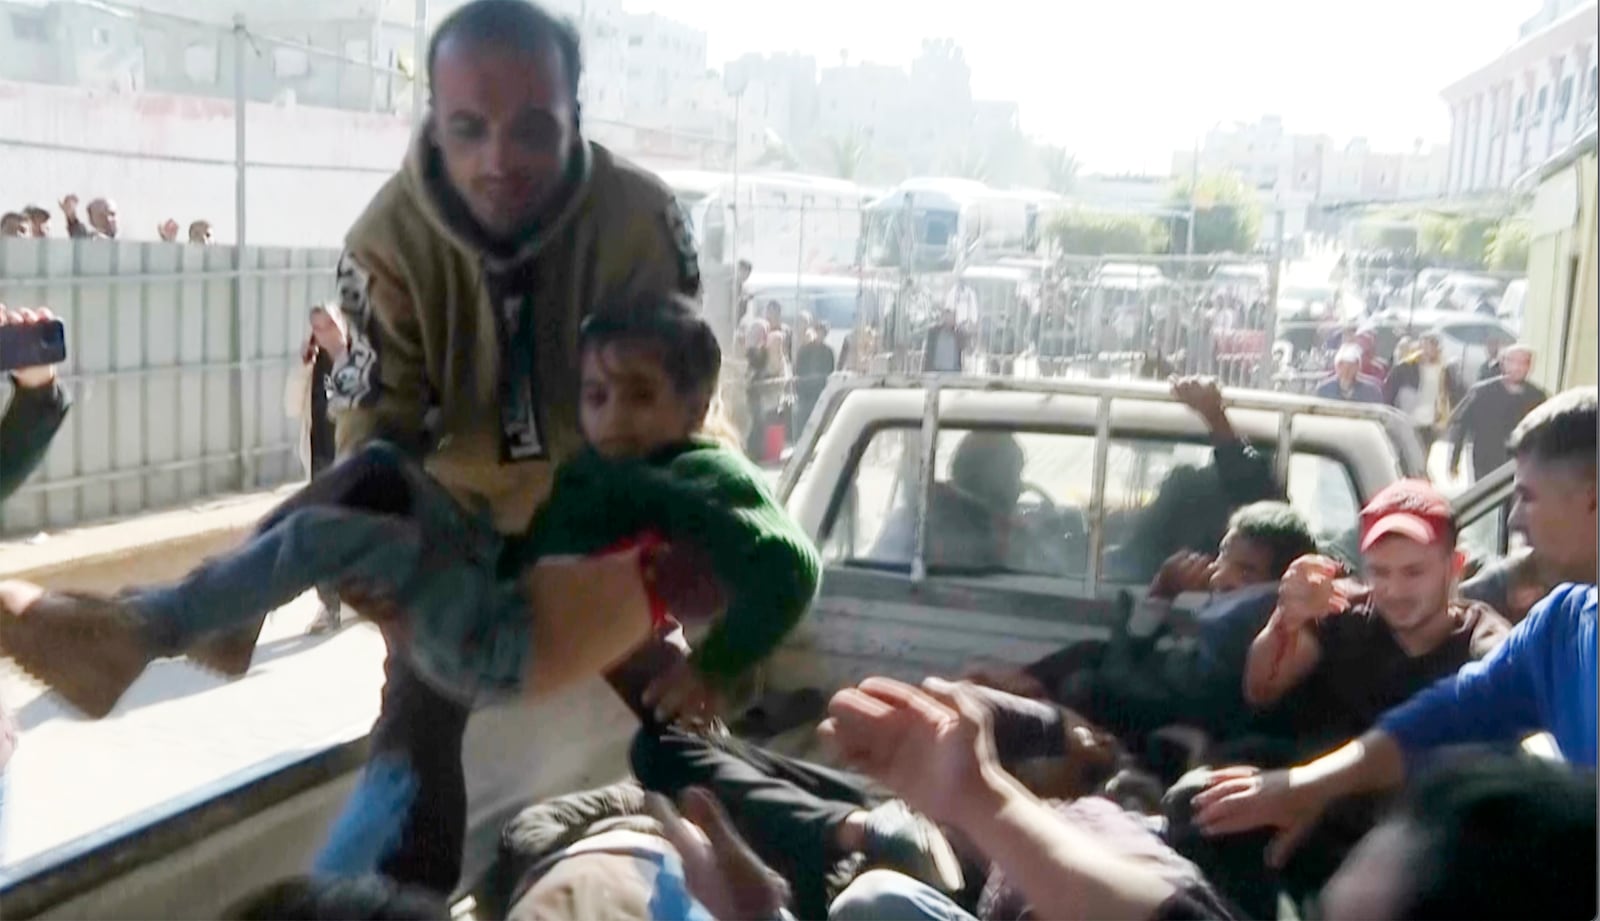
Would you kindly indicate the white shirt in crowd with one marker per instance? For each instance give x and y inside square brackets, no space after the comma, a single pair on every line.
[1430,380]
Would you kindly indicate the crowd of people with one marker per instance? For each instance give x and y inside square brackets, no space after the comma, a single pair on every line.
[785,372]
[102,224]
[1435,394]
[566,506]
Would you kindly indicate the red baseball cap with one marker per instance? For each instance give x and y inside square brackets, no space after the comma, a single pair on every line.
[1411,508]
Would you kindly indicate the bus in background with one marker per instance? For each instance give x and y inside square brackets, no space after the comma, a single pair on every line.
[951,221]
[787,222]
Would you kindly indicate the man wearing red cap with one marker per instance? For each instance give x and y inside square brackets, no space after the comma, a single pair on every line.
[1332,658]
[1347,667]
[1543,677]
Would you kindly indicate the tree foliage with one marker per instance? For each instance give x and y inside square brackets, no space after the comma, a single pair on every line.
[969,163]
[1093,233]
[1227,215]
[1457,240]
[1507,250]
[845,155]
[1378,233]
[1060,169]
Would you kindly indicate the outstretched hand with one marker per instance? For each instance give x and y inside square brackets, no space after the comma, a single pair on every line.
[719,868]
[1200,394]
[933,746]
[1241,799]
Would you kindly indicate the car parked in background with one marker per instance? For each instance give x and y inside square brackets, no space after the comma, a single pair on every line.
[1464,292]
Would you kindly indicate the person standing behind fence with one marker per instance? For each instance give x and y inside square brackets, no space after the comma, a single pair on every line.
[102,219]
[812,366]
[307,400]
[775,325]
[775,387]
[38,221]
[947,344]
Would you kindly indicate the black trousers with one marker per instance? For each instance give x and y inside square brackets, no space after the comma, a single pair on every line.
[785,808]
[416,723]
[426,729]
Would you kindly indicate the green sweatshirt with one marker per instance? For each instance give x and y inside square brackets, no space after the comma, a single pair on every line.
[702,493]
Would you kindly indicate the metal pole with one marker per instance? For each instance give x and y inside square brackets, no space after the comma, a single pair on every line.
[1267,371]
[738,104]
[908,255]
[372,57]
[800,253]
[1194,190]
[241,45]
[419,56]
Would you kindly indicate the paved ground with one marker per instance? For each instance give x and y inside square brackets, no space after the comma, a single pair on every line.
[180,727]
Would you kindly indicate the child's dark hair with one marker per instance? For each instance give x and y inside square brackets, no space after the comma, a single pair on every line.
[672,325]
[1277,527]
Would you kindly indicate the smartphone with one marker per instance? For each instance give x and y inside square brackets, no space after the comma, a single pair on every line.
[31,345]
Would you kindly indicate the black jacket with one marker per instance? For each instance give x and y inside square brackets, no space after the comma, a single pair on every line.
[1486,418]
[1408,373]
[25,432]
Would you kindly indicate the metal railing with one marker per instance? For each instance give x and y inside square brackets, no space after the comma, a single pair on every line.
[177,363]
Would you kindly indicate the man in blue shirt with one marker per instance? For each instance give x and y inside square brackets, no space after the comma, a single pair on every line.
[1542,678]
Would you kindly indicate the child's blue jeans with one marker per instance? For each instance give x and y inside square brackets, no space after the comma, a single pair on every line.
[465,631]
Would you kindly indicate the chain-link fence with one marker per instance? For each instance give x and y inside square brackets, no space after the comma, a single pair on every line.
[1020,317]
[1081,316]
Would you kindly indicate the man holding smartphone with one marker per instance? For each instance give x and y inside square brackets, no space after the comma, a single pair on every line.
[38,405]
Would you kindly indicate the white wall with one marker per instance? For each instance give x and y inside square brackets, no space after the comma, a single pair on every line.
[285,207]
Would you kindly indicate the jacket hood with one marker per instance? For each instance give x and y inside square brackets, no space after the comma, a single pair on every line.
[424,180]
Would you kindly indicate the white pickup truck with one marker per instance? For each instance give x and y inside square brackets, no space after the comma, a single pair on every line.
[1094,455]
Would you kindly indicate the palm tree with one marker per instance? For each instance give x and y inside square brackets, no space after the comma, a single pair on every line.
[1060,169]
[845,155]
[970,163]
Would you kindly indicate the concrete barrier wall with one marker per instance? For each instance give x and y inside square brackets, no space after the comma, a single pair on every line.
[310,171]
[177,365]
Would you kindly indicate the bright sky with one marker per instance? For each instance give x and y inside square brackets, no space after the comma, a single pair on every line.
[1124,83]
